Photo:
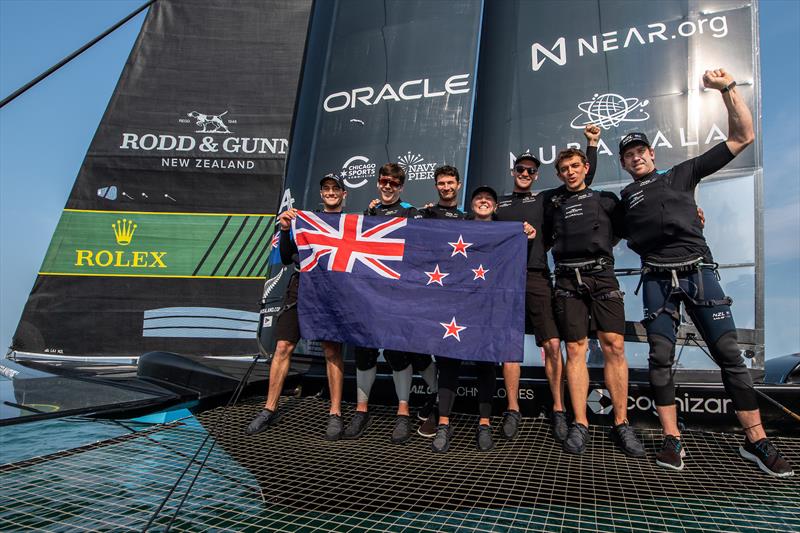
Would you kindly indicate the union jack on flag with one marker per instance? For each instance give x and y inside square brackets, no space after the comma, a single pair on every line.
[338,247]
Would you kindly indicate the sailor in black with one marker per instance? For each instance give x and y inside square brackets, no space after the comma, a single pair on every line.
[525,206]
[677,266]
[583,225]
[390,185]
[287,327]
[448,184]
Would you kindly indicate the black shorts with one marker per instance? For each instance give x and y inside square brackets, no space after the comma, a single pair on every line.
[539,317]
[580,315]
[287,326]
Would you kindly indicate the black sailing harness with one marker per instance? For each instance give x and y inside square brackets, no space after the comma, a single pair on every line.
[671,304]
[586,267]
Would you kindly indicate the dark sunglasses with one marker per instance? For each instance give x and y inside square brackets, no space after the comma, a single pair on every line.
[390,182]
[531,170]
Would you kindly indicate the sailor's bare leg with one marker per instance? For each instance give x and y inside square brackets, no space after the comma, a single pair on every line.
[751,422]
[615,372]
[334,365]
[578,379]
[278,370]
[511,373]
[554,370]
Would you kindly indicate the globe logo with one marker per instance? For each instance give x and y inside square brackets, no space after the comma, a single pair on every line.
[609,110]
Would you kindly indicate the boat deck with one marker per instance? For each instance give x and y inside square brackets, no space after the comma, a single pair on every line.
[290,479]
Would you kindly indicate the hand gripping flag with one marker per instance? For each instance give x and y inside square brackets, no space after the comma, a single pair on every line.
[445,287]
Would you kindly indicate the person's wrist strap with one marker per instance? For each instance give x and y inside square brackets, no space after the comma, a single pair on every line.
[727,88]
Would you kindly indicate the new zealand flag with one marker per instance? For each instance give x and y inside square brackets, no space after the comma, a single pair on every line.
[445,287]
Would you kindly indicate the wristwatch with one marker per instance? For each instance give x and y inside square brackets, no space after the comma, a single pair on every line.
[727,88]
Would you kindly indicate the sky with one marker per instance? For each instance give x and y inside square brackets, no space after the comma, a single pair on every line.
[45,133]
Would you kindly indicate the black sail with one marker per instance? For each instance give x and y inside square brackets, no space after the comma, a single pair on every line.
[164,241]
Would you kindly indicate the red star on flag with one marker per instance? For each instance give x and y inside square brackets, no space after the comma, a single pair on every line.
[460,247]
[480,272]
[452,329]
[436,276]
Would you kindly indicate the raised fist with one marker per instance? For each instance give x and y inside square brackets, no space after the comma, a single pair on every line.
[716,79]
[285,218]
[592,133]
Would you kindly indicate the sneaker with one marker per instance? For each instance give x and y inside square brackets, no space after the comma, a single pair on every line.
[335,427]
[577,437]
[428,428]
[358,424]
[424,412]
[483,438]
[510,425]
[441,442]
[625,438]
[262,421]
[402,429]
[559,425]
[671,454]
[767,457]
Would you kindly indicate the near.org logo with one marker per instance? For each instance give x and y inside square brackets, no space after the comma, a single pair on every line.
[612,41]
[123,235]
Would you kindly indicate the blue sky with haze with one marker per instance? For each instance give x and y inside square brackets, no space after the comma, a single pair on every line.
[45,133]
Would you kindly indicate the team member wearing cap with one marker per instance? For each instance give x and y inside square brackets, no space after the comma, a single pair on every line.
[523,205]
[287,327]
[390,186]
[582,226]
[677,266]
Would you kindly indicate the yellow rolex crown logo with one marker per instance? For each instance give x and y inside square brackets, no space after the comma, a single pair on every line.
[123,231]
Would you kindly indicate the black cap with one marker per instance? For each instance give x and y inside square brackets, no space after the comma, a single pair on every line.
[631,139]
[335,177]
[528,156]
[484,188]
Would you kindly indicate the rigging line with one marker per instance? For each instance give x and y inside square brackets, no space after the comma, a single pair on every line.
[223,416]
[774,402]
[231,401]
[74,54]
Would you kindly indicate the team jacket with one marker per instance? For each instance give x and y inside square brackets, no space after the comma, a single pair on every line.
[438,211]
[397,209]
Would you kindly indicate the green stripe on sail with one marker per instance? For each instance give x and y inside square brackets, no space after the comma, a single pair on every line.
[157,244]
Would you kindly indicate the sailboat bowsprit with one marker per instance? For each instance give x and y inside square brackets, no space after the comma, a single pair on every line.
[227,112]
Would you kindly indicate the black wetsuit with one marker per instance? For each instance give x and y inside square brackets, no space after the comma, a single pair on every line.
[663,228]
[581,228]
[287,326]
[367,358]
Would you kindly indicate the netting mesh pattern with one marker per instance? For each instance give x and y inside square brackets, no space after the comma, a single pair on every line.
[290,479]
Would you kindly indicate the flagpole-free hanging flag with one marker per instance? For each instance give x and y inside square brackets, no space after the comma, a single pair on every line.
[452,288]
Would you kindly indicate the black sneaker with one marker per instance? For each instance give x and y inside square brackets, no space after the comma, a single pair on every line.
[483,438]
[559,425]
[577,437]
[441,442]
[424,412]
[402,429]
[428,428]
[510,426]
[262,421]
[671,454]
[358,424]
[625,438]
[335,427]
[767,457]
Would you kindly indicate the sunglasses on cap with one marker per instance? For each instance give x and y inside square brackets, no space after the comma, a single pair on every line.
[522,168]
[384,181]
